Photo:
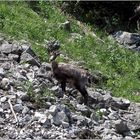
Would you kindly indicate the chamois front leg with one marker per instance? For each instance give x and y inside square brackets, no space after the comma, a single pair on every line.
[83,91]
[63,85]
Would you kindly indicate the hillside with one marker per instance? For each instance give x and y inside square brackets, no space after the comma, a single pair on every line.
[121,66]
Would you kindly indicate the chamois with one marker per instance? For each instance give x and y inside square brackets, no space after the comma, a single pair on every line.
[68,73]
[136,18]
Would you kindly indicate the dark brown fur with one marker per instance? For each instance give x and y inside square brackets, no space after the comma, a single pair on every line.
[68,73]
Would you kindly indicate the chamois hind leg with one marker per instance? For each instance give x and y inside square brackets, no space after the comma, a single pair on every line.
[83,91]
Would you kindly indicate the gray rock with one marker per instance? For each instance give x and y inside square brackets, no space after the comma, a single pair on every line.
[47,123]
[55,88]
[65,124]
[30,76]
[132,118]
[19,76]
[129,138]
[120,103]
[6,48]
[14,57]
[28,58]
[114,115]
[126,37]
[104,111]
[59,117]
[12,134]
[86,134]
[18,107]
[6,66]
[25,110]
[129,40]
[48,105]
[5,83]
[5,106]
[45,135]
[1,120]
[46,66]
[53,110]
[2,72]
[19,101]
[25,98]
[40,116]
[121,126]
[81,121]
[107,124]
[75,36]
[84,110]
[3,99]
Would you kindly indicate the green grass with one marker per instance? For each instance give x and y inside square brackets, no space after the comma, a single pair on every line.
[120,65]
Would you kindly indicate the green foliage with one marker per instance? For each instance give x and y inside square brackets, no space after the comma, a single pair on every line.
[120,65]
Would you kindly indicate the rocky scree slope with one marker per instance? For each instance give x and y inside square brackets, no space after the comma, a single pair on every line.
[32,105]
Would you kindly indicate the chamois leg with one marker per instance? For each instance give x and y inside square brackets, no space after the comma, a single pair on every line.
[63,86]
[83,91]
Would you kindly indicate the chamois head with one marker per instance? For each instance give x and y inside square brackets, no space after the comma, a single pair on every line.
[54,55]
[53,58]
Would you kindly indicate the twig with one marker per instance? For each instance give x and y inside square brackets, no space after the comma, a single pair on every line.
[11,107]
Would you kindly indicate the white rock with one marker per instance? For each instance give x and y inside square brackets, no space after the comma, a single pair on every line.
[40,116]
[65,124]
[3,99]
[53,109]
[2,72]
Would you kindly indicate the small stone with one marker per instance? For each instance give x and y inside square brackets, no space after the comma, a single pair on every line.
[65,124]
[121,126]
[25,98]
[30,76]
[45,136]
[37,90]
[103,111]
[28,139]
[5,83]
[6,66]
[113,115]
[47,123]
[59,117]
[19,101]
[3,99]
[48,105]
[2,72]
[128,138]
[84,110]
[39,116]
[1,120]
[107,124]
[14,57]
[55,88]
[18,107]
[53,110]
[25,110]
[19,77]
